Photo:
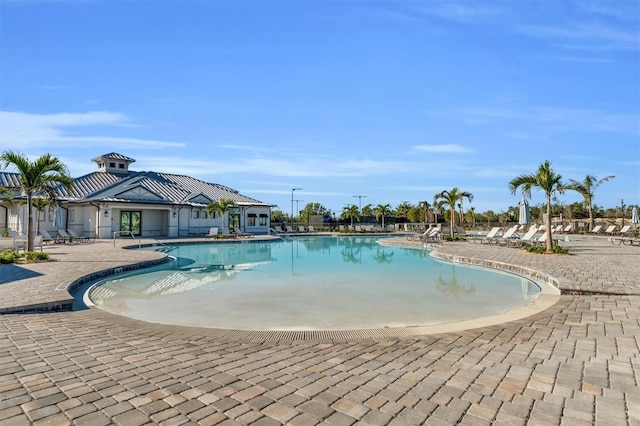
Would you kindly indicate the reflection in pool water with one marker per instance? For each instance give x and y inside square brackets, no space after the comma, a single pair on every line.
[310,283]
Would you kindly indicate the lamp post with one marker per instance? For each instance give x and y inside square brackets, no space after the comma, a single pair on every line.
[360,197]
[293,189]
[622,204]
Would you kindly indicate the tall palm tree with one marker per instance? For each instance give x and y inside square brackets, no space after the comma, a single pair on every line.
[34,176]
[586,188]
[220,207]
[382,210]
[546,180]
[450,199]
[351,212]
[427,210]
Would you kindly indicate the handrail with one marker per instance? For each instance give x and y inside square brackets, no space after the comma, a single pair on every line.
[123,232]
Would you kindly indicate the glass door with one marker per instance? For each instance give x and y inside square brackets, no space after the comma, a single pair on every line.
[131,223]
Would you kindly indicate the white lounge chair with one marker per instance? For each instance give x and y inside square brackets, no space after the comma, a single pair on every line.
[527,238]
[213,233]
[487,239]
[508,235]
[596,229]
[610,230]
[625,230]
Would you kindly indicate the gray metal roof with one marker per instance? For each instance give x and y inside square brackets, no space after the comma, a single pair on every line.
[9,179]
[114,156]
[170,188]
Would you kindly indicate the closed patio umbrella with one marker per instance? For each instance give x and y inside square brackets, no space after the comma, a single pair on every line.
[524,217]
[634,216]
[57,217]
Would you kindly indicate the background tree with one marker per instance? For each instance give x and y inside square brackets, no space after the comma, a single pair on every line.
[546,180]
[381,211]
[416,214]
[220,207]
[586,188]
[351,212]
[450,199]
[472,216]
[313,209]
[402,211]
[367,211]
[34,176]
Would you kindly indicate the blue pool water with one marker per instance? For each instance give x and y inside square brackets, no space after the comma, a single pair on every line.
[310,283]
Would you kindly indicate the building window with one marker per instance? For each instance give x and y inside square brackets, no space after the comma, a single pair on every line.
[195,214]
[72,215]
[251,219]
[112,165]
[263,219]
[121,165]
[203,214]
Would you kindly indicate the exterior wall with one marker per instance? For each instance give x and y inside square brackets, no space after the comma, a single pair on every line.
[257,228]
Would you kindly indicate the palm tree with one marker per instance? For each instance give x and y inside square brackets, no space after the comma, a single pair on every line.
[382,211]
[40,203]
[427,210]
[220,206]
[450,198]
[351,212]
[586,188]
[548,181]
[34,176]
[472,212]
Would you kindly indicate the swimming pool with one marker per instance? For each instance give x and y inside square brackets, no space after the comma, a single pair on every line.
[310,283]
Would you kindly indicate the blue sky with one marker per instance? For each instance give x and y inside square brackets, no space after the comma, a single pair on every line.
[392,100]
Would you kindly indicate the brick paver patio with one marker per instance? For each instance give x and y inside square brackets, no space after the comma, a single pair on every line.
[575,363]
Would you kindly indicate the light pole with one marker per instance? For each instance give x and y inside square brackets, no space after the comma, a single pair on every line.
[293,189]
[622,203]
[360,197]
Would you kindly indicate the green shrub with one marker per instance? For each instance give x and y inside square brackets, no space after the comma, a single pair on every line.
[34,256]
[9,256]
[556,249]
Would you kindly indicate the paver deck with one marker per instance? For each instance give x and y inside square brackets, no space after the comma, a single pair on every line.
[577,362]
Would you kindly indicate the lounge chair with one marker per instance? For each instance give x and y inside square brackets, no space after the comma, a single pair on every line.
[64,236]
[596,229]
[312,229]
[301,228]
[610,230]
[290,229]
[481,239]
[625,230]
[507,236]
[238,233]
[567,229]
[528,238]
[341,228]
[47,238]
[77,237]
[213,233]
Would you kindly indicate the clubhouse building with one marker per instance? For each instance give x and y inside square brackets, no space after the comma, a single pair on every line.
[115,201]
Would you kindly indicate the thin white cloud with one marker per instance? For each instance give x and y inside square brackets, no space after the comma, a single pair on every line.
[467,11]
[21,129]
[593,36]
[443,149]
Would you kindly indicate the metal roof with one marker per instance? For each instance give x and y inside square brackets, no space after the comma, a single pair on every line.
[168,188]
[114,156]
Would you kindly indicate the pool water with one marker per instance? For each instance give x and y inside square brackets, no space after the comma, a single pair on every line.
[310,283]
